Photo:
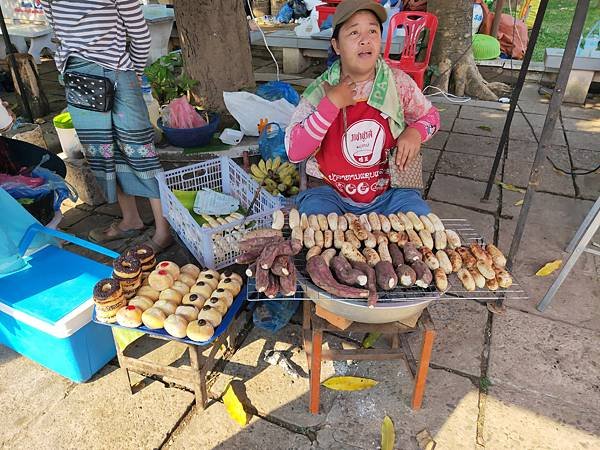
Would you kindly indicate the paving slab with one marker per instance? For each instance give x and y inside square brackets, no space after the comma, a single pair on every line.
[100,414]
[462,191]
[213,428]
[430,158]
[465,165]
[586,160]
[583,139]
[587,125]
[71,217]
[438,140]
[26,391]
[475,145]
[447,115]
[460,330]
[521,419]
[478,127]
[537,122]
[532,102]
[449,411]
[545,357]
[272,391]
[483,223]
[589,112]
[475,113]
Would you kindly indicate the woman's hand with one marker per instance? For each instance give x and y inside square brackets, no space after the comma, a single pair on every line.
[342,94]
[408,147]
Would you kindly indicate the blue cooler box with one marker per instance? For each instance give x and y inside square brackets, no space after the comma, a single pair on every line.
[46,309]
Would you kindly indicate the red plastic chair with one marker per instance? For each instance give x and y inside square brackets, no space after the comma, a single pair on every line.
[414,23]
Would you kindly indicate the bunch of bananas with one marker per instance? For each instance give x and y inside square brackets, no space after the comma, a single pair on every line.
[276,177]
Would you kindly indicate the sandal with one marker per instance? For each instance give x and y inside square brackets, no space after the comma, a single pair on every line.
[100,235]
[157,247]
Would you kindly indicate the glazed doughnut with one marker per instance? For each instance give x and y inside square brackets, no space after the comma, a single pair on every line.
[232,286]
[153,318]
[126,267]
[194,299]
[160,280]
[191,269]
[189,312]
[170,267]
[218,303]
[234,276]
[107,290]
[211,315]
[209,279]
[202,288]
[148,291]
[129,316]
[176,326]
[187,279]
[166,306]
[141,302]
[171,295]
[200,330]
[224,294]
[181,287]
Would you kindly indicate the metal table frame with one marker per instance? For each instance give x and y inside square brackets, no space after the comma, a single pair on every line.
[313,327]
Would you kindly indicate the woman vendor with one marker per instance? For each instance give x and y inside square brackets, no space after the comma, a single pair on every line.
[356,115]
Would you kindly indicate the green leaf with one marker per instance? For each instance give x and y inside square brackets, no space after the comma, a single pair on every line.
[549,268]
[234,407]
[370,340]
[388,434]
[484,128]
[349,383]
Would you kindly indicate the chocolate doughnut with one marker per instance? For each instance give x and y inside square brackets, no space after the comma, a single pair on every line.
[107,290]
[126,267]
[142,252]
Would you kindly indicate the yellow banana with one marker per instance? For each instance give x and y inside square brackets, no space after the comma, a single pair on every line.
[269,164]
[262,166]
[287,180]
[276,163]
[257,171]
[257,179]
[270,184]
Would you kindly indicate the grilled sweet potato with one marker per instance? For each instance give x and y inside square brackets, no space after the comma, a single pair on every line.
[386,275]
[344,272]
[323,278]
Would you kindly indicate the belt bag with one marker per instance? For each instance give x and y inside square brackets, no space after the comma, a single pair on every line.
[90,92]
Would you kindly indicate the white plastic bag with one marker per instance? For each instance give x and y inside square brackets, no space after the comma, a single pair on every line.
[248,109]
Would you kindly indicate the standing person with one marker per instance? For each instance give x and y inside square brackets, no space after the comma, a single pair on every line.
[110,38]
[356,116]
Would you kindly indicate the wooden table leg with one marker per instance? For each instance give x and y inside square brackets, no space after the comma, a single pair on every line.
[306,331]
[199,381]
[315,371]
[421,378]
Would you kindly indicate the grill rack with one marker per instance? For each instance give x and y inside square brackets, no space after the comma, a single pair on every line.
[401,295]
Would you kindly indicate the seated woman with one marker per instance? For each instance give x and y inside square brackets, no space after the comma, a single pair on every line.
[354,117]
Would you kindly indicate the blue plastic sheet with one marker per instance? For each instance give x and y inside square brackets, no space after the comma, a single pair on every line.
[273,316]
[271,142]
[275,90]
[286,14]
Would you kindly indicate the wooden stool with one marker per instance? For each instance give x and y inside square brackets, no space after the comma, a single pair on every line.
[195,375]
[314,326]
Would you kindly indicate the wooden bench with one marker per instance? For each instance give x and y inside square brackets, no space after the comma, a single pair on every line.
[298,50]
[585,70]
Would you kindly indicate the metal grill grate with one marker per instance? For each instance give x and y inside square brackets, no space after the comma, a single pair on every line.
[402,295]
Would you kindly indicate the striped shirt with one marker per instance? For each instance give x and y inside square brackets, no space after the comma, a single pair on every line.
[111,33]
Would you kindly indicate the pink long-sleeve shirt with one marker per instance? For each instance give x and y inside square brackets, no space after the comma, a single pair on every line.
[309,125]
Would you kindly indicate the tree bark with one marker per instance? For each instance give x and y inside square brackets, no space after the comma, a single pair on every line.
[452,52]
[215,47]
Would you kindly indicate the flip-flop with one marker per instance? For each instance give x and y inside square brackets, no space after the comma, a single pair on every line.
[99,235]
[157,247]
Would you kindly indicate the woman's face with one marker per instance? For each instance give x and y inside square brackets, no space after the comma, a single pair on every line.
[359,43]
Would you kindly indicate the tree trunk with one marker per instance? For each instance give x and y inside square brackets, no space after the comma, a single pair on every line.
[26,68]
[452,52]
[215,47]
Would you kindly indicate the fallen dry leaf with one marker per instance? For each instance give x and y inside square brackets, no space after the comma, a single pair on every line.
[349,383]
[519,203]
[510,187]
[388,434]
[234,407]
[549,268]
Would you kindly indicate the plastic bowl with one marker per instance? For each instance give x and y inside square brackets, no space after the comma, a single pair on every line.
[192,137]
[485,47]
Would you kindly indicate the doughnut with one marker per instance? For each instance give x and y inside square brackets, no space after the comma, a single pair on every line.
[218,303]
[126,267]
[129,316]
[211,315]
[142,252]
[187,279]
[131,283]
[209,279]
[191,269]
[200,330]
[224,294]
[234,276]
[232,286]
[107,311]
[194,299]
[160,280]
[181,287]
[153,318]
[149,266]
[171,295]
[202,288]
[107,290]
[176,326]
[170,267]
[214,273]
[166,306]
[141,302]
[149,292]
[189,312]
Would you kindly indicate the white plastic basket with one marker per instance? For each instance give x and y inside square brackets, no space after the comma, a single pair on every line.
[216,247]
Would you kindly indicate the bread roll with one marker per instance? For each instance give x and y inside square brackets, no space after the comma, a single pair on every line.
[200,330]
[153,318]
[141,302]
[129,316]
[176,326]
[166,306]
[188,312]
[171,295]
[190,269]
